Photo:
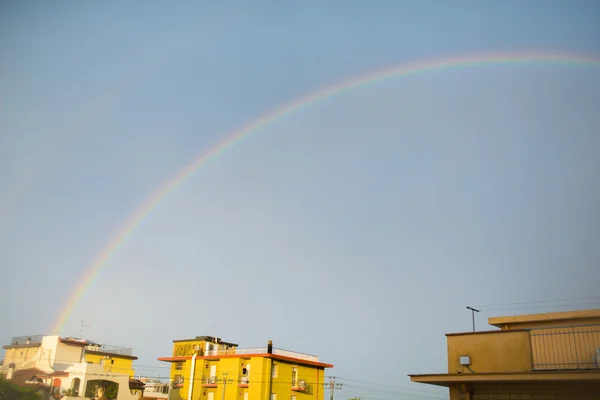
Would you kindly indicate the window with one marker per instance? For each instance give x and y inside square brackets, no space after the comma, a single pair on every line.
[246,370]
[273,396]
[293,397]
[179,366]
[178,380]
[211,395]
[75,385]
[294,377]
[245,395]
[56,386]
[274,370]
[112,361]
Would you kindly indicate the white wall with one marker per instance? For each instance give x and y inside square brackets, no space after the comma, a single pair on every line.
[87,372]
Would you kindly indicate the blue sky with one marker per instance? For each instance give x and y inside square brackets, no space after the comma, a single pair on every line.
[357,229]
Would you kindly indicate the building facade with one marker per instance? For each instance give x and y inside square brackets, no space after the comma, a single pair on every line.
[57,366]
[548,356]
[113,358]
[47,353]
[155,389]
[207,368]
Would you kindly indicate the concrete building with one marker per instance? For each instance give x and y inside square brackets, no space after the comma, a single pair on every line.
[47,353]
[540,356]
[56,366]
[113,358]
[155,389]
[207,368]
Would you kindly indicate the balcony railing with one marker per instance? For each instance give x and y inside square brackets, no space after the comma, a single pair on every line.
[178,382]
[566,348]
[260,350]
[244,381]
[294,354]
[210,381]
[116,349]
[234,351]
[299,385]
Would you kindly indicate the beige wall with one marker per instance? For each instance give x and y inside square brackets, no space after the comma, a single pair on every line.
[490,352]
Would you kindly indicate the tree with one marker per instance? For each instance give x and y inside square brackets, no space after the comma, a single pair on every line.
[10,391]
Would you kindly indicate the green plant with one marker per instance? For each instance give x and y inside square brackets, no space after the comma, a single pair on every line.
[111,389]
[71,393]
[10,391]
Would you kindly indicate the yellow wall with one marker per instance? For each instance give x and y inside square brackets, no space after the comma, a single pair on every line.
[186,348]
[120,365]
[14,356]
[547,320]
[526,390]
[258,379]
[490,352]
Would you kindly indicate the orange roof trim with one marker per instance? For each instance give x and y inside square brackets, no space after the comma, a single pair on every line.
[266,355]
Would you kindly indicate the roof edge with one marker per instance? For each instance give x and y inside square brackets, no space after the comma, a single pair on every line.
[544,317]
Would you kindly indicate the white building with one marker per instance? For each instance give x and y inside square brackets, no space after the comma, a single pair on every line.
[154,390]
[56,366]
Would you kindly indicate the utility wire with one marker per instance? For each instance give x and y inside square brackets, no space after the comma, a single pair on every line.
[536,302]
[384,385]
[437,396]
[571,306]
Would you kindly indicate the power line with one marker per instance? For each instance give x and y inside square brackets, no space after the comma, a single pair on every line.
[437,396]
[536,302]
[570,306]
[386,385]
[336,386]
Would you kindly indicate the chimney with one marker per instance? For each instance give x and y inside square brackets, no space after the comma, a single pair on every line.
[11,369]
[270,347]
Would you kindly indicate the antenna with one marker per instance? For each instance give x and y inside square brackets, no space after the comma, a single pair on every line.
[82,326]
[215,332]
[473,311]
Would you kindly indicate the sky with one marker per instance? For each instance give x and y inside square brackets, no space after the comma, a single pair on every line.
[358,228]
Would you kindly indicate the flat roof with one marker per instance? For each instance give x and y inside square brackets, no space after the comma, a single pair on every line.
[73,341]
[266,355]
[541,376]
[485,332]
[205,339]
[21,346]
[116,355]
[545,317]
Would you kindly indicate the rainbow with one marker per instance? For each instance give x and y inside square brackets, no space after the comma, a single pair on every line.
[237,136]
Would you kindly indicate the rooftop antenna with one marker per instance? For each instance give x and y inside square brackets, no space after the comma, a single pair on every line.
[215,332]
[81,328]
[473,311]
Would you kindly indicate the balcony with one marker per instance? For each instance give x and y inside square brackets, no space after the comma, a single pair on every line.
[260,350]
[177,382]
[526,350]
[565,348]
[299,385]
[210,381]
[244,382]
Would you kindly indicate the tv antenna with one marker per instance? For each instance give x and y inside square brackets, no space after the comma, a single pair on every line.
[82,326]
[473,311]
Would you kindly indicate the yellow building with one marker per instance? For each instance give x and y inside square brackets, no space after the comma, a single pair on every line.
[206,368]
[114,359]
[539,356]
